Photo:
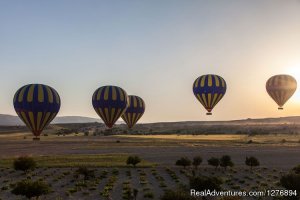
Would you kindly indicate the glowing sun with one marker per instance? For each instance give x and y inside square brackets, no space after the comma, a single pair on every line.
[295,72]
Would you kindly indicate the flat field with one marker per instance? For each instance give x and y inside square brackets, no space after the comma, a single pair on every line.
[58,157]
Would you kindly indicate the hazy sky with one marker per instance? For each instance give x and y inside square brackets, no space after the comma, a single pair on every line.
[154,49]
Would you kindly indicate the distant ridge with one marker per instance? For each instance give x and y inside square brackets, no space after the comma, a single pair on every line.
[74,119]
[278,120]
[11,120]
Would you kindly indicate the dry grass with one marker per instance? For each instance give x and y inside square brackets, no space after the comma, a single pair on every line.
[95,160]
[216,137]
[278,139]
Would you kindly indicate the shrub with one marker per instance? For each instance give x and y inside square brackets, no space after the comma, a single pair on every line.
[225,161]
[24,163]
[4,188]
[178,194]
[296,169]
[149,195]
[85,172]
[31,189]
[291,181]
[72,190]
[133,160]
[115,171]
[202,183]
[197,161]
[135,193]
[214,162]
[252,162]
[184,162]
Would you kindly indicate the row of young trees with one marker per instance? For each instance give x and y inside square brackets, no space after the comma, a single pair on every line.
[30,188]
[225,162]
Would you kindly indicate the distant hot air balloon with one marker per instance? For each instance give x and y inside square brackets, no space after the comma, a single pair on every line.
[209,90]
[36,105]
[110,102]
[134,111]
[281,88]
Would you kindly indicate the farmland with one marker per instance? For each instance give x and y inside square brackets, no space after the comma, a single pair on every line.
[150,182]
[59,156]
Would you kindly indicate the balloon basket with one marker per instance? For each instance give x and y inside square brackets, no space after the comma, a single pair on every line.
[209,113]
[280,108]
[36,139]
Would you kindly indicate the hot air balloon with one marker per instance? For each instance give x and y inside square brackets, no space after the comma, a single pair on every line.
[281,88]
[134,111]
[110,102]
[36,105]
[209,90]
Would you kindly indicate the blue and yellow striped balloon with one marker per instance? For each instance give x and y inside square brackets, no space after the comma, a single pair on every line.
[209,90]
[134,111]
[36,105]
[110,102]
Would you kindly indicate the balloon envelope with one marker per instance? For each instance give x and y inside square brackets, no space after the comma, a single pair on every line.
[209,90]
[135,110]
[36,105]
[110,102]
[281,88]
